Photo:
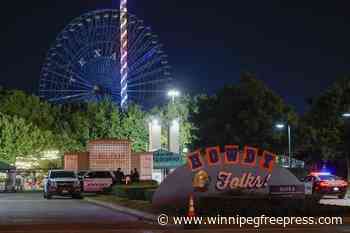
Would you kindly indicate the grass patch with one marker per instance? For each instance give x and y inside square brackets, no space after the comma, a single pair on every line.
[144,206]
[31,191]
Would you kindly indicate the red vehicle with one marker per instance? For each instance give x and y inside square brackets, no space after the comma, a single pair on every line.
[324,183]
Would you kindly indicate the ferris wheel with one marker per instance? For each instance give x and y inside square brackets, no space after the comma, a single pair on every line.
[84,63]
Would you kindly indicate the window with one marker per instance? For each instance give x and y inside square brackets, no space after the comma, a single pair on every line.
[62,174]
[328,177]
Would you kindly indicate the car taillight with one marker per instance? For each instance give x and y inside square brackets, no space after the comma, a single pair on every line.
[324,184]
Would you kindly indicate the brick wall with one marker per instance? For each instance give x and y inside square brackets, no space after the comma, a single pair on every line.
[143,162]
[110,155]
[71,162]
[76,161]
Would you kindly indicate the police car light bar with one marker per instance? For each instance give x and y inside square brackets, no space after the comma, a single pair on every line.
[321,173]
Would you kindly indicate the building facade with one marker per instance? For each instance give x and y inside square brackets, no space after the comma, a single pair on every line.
[109,155]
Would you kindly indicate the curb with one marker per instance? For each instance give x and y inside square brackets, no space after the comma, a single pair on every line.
[123,209]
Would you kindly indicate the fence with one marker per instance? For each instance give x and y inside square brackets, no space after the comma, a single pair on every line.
[283,161]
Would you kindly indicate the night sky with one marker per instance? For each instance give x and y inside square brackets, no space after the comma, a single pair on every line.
[297,47]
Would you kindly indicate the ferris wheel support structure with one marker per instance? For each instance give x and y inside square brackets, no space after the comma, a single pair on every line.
[123,54]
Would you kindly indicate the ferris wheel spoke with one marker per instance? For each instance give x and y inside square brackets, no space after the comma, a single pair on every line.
[146,59]
[63,91]
[146,91]
[140,45]
[58,86]
[112,46]
[149,82]
[68,97]
[69,54]
[135,45]
[117,95]
[141,71]
[141,50]
[107,34]
[69,78]
[143,64]
[137,76]
[143,58]
[71,81]
[138,30]
[74,71]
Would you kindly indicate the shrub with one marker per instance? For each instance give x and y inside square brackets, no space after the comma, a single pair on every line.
[119,191]
[135,191]
[107,190]
[149,194]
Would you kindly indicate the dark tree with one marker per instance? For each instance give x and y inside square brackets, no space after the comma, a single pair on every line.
[243,114]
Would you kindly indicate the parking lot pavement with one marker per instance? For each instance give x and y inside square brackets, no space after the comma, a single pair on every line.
[30,213]
[22,208]
[329,200]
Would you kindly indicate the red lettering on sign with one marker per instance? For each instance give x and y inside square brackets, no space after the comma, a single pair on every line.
[268,161]
[249,156]
[213,155]
[231,154]
[194,160]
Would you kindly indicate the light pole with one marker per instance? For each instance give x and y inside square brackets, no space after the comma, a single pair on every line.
[173,94]
[282,126]
[155,131]
[174,126]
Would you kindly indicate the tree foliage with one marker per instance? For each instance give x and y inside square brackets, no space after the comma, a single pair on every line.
[244,113]
[29,126]
[322,131]
[19,138]
[133,127]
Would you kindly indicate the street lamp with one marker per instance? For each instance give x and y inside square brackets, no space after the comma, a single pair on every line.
[173,94]
[282,126]
[346,114]
[155,122]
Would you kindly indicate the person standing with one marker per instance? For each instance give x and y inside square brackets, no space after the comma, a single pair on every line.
[118,176]
[135,175]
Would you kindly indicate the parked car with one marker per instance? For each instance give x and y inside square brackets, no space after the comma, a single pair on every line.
[324,183]
[62,183]
[81,175]
[97,181]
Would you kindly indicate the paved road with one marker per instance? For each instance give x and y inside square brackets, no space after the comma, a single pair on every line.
[27,208]
[335,201]
[31,213]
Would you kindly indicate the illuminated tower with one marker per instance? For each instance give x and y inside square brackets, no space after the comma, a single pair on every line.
[123,54]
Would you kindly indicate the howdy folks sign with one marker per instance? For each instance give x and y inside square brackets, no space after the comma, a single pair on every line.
[231,156]
[228,172]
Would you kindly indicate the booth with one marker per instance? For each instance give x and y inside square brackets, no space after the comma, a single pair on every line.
[7,177]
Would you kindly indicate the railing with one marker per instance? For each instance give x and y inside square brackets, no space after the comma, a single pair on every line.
[283,161]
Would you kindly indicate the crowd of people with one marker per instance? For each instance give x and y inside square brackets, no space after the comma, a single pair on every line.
[121,178]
